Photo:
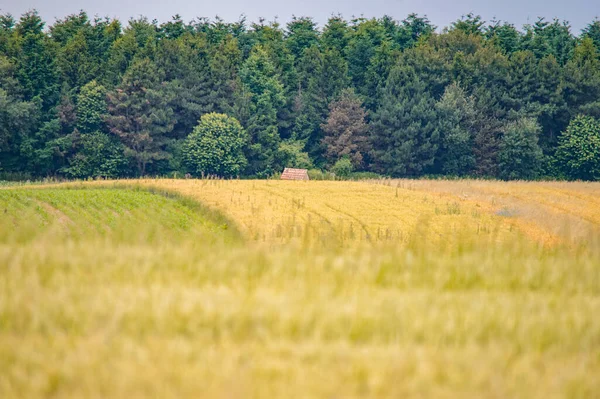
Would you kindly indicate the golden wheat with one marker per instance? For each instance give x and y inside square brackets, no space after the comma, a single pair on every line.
[474,298]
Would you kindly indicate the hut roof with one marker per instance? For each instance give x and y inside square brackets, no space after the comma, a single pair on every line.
[294,174]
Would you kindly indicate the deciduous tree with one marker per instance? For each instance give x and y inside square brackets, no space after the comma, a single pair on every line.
[578,153]
[216,146]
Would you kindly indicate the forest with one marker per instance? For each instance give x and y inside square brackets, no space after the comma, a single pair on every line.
[97,98]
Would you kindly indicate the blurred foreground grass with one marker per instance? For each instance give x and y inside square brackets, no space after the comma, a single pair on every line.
[127,293]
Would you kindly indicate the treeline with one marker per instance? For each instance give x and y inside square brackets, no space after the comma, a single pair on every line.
[93,98]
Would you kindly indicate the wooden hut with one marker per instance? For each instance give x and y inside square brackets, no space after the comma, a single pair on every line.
[294,174]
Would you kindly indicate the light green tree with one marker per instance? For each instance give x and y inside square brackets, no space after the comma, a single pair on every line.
[578,153]
[216,146]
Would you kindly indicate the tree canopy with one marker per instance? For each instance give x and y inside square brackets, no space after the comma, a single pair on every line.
[88,97]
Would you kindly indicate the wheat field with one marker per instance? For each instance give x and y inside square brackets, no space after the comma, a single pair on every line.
[253,289]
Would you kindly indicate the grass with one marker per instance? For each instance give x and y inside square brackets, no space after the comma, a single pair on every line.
[118,214]
[299,307]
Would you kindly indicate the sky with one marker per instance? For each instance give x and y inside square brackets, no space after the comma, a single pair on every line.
[440,12]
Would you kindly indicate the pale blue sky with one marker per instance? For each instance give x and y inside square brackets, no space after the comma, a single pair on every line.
[440,12]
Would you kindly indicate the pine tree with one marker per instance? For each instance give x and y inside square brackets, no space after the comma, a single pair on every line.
[266,99]
[456,116]
[7,28]
[533,91]
[432,64]
[139,115]
[36,69]
[225,60]
[336,34]
[301,34]
[504,36]
[404,134]
[488,126]
[346,131]
[310,104]
[413,29]
[137,41]
[581,83]
[384,59]
[544,38]
[470,24]
[76,60]
[186,65]
[322,77]
[368,35]
[553,113]
[18,120]
[333,76]
[592,31]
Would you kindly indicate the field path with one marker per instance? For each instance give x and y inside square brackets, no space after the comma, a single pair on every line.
[569,210]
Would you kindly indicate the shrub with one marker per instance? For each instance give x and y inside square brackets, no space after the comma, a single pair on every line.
[343,167]
[364,176]
[317,174]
